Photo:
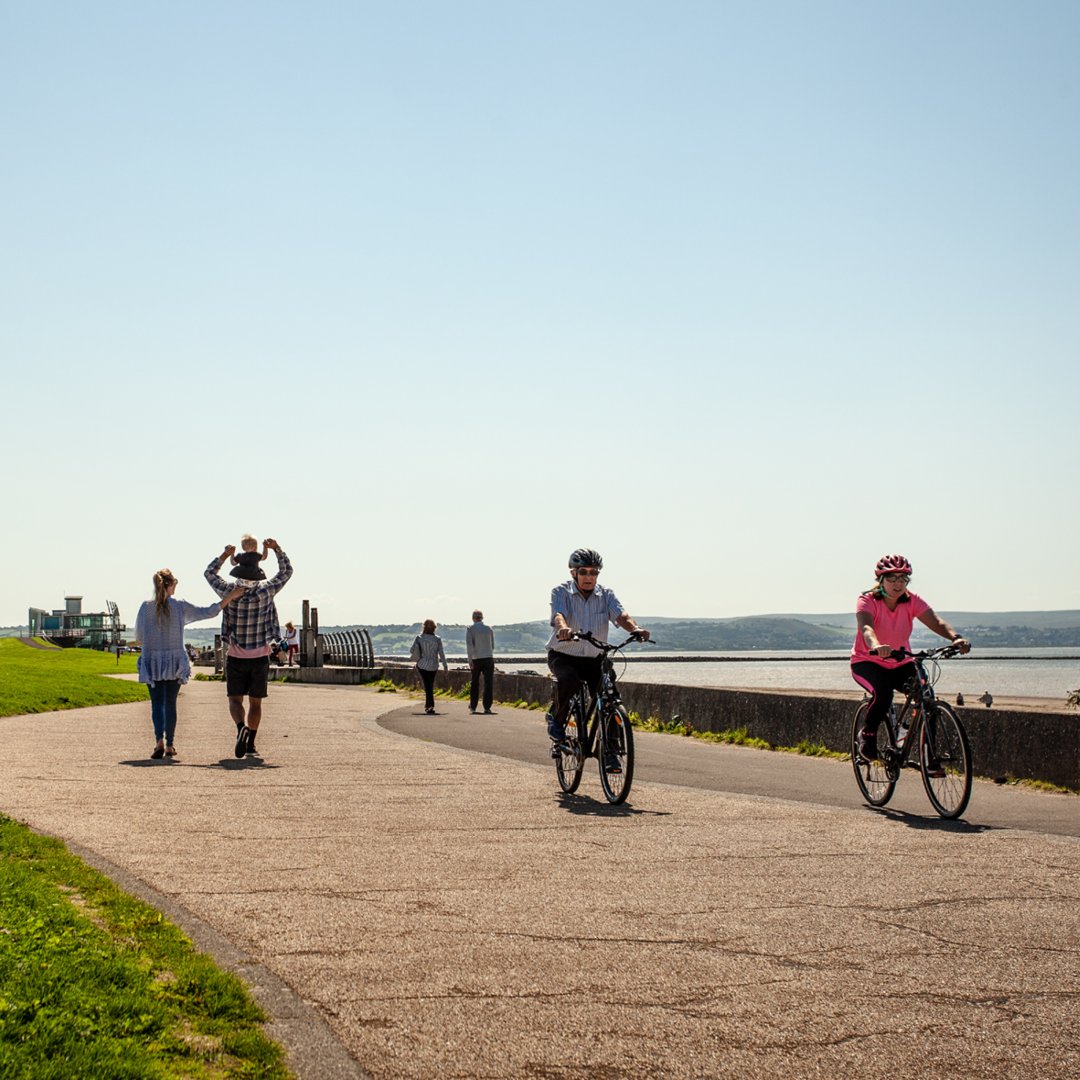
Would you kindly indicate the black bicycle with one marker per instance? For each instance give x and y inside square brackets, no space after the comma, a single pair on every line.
[609,737]
[944,753]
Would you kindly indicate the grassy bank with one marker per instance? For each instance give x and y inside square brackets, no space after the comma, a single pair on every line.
[95,983]
[42,680]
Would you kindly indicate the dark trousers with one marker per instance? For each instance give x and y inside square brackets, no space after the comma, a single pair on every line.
[881,682]
[429,687]
[570,672]
[483,667]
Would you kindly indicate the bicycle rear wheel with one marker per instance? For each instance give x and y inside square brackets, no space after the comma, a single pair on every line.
[616,754]
[945,760]
[571,760]
[875,780]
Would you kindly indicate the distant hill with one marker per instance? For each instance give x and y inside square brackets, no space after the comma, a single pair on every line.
[684,635]
[1002,629]
[987,629]
[1036,620]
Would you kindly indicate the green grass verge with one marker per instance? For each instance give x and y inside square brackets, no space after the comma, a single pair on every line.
[733,737]
[94,983]
[42,680]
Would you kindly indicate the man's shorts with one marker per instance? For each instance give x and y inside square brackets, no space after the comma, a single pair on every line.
[246,675]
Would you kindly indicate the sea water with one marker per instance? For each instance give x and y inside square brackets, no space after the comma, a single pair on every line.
[1034,673]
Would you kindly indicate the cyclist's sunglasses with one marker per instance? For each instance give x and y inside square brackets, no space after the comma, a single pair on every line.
[894,579]
[588,571]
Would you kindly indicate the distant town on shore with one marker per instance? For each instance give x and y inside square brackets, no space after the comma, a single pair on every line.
[988,630]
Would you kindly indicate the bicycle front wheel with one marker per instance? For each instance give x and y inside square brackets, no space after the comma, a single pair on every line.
[875,780]
[616,754]
[945,760]
[571,759]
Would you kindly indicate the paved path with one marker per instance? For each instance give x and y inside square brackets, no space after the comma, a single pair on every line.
[517,734]
[447,914]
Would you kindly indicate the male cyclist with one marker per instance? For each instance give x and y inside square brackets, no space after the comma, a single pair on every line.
[580,604]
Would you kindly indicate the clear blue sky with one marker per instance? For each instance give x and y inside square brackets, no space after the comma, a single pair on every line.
[742,295]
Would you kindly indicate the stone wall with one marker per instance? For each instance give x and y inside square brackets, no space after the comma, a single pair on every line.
[1027,745]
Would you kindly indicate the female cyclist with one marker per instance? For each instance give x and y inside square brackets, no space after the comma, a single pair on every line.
[883,620]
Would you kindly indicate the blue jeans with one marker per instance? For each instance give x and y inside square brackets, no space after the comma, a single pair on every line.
[163,708]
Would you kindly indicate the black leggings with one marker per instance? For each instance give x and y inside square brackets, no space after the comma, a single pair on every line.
[881,682]
[429,687]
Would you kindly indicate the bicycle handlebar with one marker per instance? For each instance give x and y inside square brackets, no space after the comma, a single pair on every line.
[944,652]
[603,646]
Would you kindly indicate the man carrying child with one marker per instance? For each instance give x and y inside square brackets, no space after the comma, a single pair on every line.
[249,626]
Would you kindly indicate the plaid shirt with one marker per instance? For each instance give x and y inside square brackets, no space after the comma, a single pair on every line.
[251,620]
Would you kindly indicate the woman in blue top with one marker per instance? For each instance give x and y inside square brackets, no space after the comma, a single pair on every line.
[163,663]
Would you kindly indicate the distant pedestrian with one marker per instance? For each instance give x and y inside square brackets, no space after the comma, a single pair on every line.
[292,642]
[959,699]
[427,653]
[480,647]
[248,630]
[987,699]
[164,664]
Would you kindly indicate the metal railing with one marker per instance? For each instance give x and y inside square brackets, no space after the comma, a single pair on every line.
[350,648]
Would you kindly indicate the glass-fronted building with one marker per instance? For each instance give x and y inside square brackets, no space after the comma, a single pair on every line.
[71,627]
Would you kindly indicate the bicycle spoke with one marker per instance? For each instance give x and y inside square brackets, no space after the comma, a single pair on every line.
[876,781]
[571,762]
[616,753]
[945,760]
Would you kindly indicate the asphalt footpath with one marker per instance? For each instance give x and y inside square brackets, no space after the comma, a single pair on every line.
[406,908]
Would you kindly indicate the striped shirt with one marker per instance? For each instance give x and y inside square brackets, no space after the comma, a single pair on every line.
[250,622]
[431,652]
[592,613]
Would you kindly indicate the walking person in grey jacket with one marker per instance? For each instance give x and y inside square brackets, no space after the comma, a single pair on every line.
[480,646]
[427,652]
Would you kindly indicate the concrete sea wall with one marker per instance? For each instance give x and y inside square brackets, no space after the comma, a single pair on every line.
[1027,745]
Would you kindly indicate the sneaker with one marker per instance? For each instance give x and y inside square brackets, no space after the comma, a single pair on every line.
[488,712]
[251,751]
[556,734]
[868,745]
[612,764]
[241,742]
[472,709]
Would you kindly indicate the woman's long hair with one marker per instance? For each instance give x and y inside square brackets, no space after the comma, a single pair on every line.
[162,580]
[429,626]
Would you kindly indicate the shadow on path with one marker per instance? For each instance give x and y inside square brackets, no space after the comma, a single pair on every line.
[588,807]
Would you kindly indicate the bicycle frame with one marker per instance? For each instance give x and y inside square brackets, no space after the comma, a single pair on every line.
[598,727]
[944,756]
[593,709]
[918,703]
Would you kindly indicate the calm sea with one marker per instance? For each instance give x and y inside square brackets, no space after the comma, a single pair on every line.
[1045,673]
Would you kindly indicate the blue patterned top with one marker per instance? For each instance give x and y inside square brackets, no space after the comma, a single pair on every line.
[163,654]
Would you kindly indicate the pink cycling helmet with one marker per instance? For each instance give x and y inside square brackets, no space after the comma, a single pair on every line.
[892,564]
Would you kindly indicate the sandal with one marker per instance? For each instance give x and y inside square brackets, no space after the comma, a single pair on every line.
[157,752]
[170,751]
